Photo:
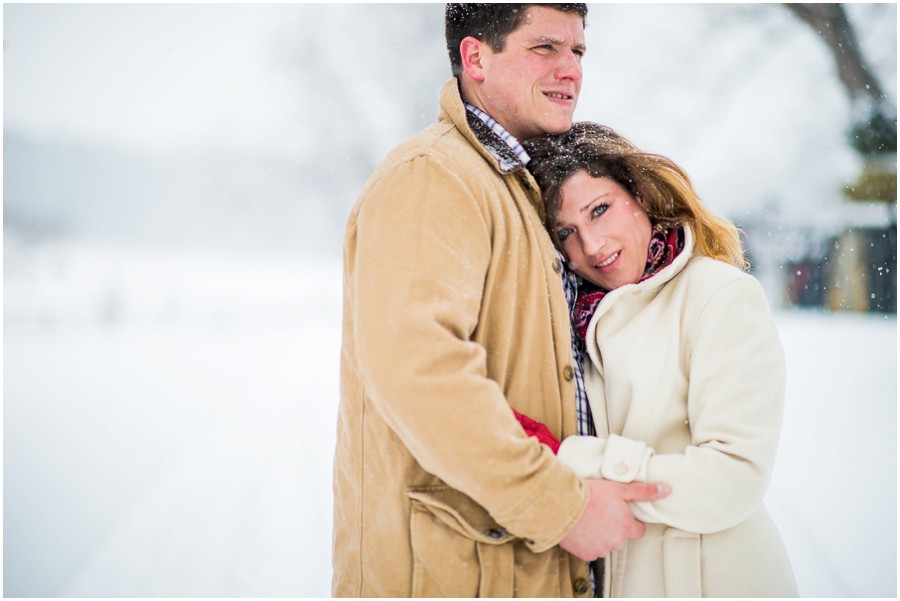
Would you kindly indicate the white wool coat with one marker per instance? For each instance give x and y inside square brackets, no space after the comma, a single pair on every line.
[685,380]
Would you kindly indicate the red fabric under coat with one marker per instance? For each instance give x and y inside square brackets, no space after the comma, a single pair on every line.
[538,430]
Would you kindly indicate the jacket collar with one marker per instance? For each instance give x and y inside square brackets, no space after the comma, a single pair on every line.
[674,268]
[659,279]
[476,131]
[664,275]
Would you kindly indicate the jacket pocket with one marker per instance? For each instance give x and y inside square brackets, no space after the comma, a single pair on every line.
[458,549]
[681,563]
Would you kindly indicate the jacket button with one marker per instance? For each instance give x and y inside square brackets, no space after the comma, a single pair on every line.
[557,266]
[581,586]
[568,373]
[620,468]
[495,533]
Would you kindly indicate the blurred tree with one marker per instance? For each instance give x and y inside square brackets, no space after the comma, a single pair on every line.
[874,127]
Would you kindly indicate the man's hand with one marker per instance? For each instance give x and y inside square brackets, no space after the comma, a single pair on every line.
[607,521]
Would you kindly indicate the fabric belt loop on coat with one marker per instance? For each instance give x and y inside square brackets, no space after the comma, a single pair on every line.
[681,564]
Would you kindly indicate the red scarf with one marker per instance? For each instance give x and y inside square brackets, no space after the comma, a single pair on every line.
[664,247]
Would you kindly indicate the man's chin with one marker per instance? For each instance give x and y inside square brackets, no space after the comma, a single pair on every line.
[555,128]
[559,126]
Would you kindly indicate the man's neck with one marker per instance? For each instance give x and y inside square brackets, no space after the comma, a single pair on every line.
[468,91]
[507,139]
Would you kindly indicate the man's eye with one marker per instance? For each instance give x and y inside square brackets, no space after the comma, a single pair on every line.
[563,233]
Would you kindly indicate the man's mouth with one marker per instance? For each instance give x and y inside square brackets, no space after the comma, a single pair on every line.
[558,95]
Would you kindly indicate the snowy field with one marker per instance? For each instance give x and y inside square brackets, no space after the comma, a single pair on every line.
[169,429]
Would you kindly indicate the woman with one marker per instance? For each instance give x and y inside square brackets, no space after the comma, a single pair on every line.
[684,370]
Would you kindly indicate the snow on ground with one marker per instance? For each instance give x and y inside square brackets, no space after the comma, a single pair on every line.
[169,428]
[834,492]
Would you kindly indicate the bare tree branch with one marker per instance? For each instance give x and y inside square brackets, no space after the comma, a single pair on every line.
[831,23]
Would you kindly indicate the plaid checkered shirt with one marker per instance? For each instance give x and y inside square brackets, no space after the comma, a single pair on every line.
[582,408]
[501,132]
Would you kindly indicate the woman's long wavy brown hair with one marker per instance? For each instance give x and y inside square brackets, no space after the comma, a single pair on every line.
[663,186]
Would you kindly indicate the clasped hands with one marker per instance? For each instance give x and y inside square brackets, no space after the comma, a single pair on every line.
[607,521]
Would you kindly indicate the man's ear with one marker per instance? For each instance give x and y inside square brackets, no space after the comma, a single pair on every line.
[472,52]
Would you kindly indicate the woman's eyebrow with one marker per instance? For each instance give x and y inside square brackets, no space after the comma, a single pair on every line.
[592,201]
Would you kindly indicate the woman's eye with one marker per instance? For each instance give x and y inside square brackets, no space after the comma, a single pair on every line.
[599,210]
[563,233]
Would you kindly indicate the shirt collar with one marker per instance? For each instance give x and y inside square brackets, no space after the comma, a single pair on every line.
[501,132]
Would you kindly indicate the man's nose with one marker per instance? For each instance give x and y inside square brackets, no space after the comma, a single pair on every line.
[569,66]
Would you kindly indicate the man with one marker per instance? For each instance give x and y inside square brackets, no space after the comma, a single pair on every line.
[454,316]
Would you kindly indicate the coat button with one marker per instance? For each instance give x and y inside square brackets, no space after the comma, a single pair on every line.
[581,586]
[568,373]
[557,266]
[495,533]
[620,468]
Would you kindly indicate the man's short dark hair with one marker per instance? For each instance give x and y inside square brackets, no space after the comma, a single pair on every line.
[489,23]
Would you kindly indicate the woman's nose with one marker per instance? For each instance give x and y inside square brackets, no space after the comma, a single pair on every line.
[593,244]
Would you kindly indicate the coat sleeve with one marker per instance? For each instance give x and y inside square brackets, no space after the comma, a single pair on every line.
[735,407]
[423,247]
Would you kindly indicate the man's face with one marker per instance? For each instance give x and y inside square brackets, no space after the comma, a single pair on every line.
[532,85]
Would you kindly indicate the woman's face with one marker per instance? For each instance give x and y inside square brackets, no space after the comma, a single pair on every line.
[604,231]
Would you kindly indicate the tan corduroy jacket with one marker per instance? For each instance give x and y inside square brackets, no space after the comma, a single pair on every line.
[686,384]
[453,312]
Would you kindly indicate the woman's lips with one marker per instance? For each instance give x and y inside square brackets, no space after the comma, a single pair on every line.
[608,261]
